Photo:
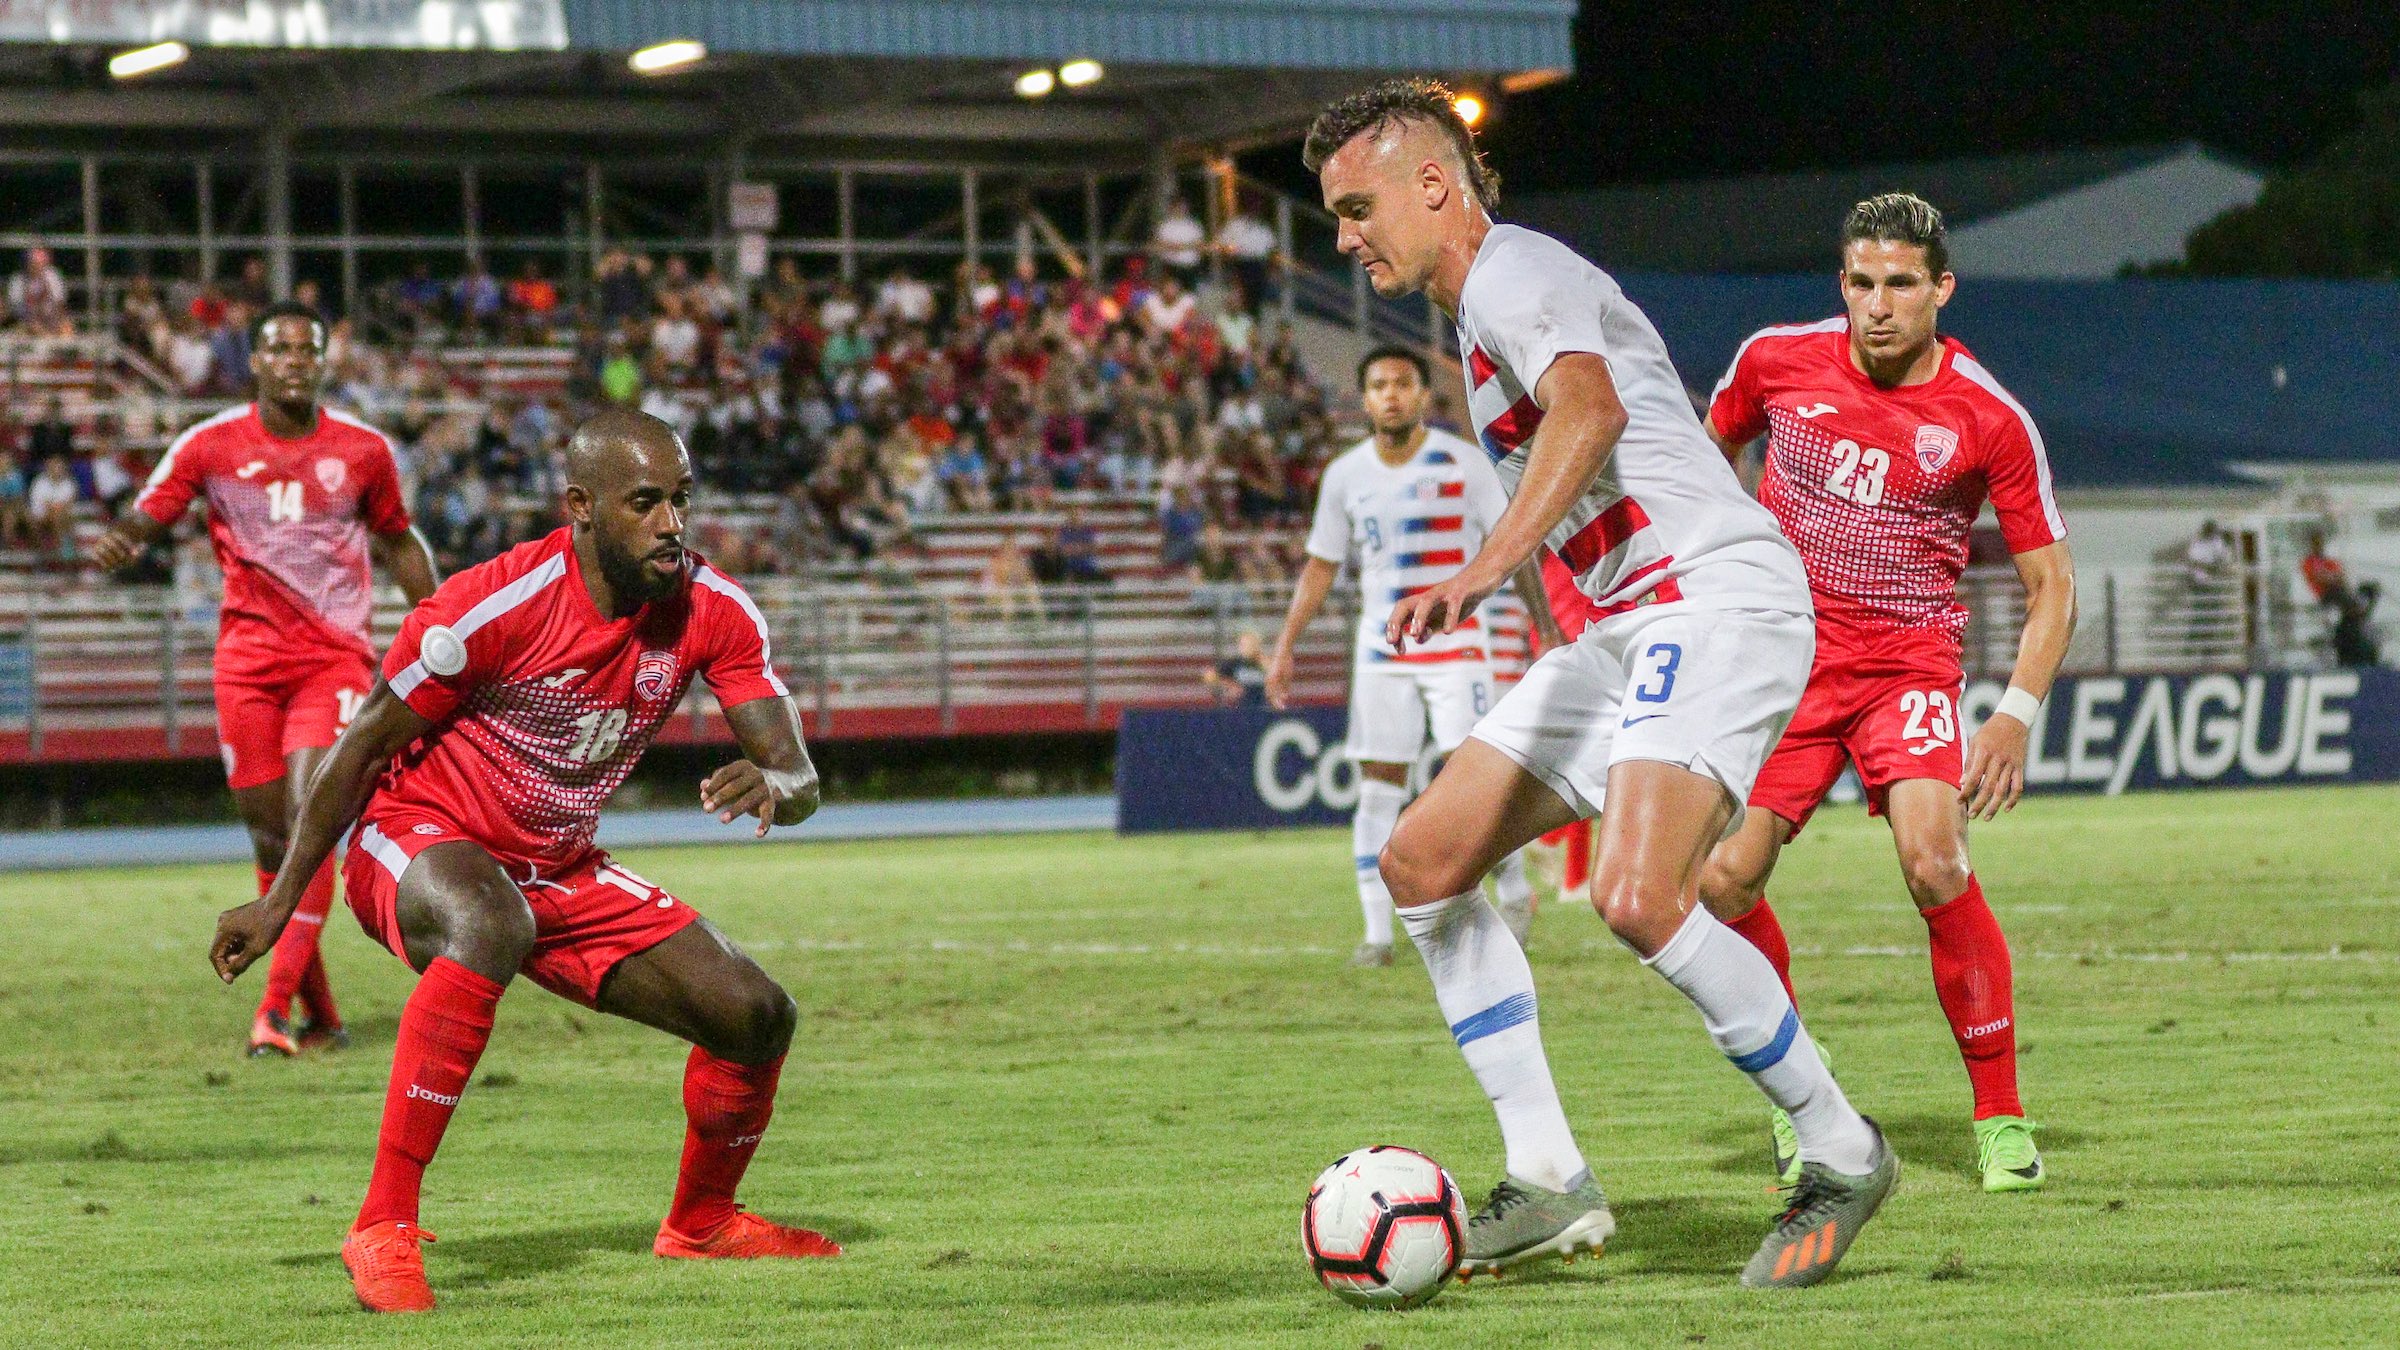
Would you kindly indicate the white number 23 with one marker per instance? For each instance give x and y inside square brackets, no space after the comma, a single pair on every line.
[1858,474]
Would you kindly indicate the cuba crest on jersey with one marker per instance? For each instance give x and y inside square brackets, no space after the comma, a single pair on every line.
[1935,447]
[654,675]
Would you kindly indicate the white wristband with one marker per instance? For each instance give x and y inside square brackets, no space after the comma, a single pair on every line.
[2018,704]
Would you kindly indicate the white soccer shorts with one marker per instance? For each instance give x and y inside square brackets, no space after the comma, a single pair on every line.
[1710,690]
[1392,703]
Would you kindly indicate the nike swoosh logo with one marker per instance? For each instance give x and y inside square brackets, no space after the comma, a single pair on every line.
[1818,411]
[1651,718]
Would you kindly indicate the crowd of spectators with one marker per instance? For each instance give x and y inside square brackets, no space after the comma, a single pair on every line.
[832,417]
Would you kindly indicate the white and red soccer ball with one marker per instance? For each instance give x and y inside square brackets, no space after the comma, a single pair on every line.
[1385,1227]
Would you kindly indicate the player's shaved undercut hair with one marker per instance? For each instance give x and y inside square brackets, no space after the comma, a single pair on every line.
[1900,218]
[598,451]
[1408,100]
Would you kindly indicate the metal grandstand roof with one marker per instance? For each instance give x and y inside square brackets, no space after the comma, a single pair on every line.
[889,79]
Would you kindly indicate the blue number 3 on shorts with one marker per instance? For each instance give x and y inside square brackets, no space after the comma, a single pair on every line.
[1668,655]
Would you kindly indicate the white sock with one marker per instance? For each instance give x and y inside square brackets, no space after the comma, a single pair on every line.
[1509,883]
[1485,990]
[1379,806]
[1752,1020]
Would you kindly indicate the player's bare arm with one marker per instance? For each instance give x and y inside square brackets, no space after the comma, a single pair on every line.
[125,541]
[407,559]
[774,780]
[1308,597]
[1994,778]
[1528,582]
[329,804]
[1582,418]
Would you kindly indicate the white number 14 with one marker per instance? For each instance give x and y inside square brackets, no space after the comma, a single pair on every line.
[284,501]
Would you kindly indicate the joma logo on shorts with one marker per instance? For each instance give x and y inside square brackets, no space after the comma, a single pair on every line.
[438,1099]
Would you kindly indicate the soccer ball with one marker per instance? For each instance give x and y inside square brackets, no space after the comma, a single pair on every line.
[1384,1227]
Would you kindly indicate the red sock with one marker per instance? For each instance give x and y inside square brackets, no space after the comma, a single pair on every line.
[728,1106]
[1971,976]
[295,955]
[1762,931]
[1578,871]
[443,1028]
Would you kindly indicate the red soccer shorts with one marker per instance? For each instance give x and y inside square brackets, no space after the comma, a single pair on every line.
[1893,724]
[303,701]
[586,918]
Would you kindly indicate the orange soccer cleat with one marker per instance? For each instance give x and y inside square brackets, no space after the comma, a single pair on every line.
[387,1267]
[743,1237]
[270,1034]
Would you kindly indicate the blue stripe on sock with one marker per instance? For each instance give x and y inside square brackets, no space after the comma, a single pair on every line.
[1366,861]
[1771,1054]
[1515,1010]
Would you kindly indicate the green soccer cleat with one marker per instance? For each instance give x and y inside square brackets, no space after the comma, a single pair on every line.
[2004,1151]
[1372,954]
[1783,1141]
[1823,1219]
[1522,1223]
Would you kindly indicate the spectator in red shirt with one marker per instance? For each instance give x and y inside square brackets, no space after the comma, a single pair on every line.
[2325,577]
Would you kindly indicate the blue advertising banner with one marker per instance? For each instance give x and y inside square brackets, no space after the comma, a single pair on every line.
[1254,768]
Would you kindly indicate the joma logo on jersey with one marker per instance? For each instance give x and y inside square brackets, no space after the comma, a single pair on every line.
[1935,446]
[654,675]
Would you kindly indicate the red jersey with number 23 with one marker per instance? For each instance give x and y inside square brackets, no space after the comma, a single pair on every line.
[542,705]
[290,521]
[1878,488]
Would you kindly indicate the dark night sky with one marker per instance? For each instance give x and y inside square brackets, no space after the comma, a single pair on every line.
[1678,90]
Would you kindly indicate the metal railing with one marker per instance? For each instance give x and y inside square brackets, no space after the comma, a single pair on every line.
[91,672]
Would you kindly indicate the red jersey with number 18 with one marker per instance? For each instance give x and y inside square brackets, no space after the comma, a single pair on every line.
[289,520]
[1878,488]
[542,705]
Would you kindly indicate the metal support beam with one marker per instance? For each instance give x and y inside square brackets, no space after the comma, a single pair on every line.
[275,178]
[470,213]
[345,177]
[1092,226]
[593,201]
[204,182]
[94,306]
[846,214]
[970,204]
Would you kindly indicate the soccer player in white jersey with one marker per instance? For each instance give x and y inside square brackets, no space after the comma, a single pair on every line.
[1412,503]
[1656,718]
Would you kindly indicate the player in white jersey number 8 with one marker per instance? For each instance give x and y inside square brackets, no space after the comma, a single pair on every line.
[1700,639]
[1409,502]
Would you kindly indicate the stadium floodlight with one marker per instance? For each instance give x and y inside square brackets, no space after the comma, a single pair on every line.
[1036,84]
[1077,73]
[661,57]
[144,60]
[1470,108]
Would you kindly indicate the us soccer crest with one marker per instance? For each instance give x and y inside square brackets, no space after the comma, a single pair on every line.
[1935,446]
[654,675]
[331,474]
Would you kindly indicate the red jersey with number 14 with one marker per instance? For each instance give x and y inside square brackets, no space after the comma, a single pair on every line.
[1878,488]
[542,705]
[290,521]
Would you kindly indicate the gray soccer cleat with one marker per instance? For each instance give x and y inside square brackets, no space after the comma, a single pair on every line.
[1522,1223]
[1827,1209]
[1372,954]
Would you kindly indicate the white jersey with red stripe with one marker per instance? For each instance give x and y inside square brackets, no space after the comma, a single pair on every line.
[1508,627]
[1666,520]
[1411,527]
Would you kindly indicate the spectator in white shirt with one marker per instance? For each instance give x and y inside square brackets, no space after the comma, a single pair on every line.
[674,338]
[1177,240]
[50,502]
[1169,307]
[37,297]
[906,298]
[1249,247]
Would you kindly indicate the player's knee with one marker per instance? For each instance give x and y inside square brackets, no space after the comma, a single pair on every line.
[1730,885]
[1935,874]
[1642,913]
[763,1023]
[498,931]
[1416,872]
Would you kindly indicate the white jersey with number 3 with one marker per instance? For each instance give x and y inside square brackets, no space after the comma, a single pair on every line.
[1666,520]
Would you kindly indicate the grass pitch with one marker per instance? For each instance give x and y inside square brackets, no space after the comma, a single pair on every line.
[1071,1090]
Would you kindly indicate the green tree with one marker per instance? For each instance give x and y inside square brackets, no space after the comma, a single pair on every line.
[2336,216]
